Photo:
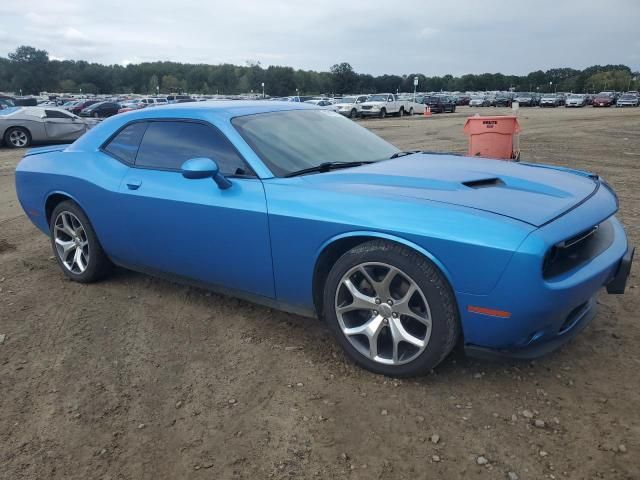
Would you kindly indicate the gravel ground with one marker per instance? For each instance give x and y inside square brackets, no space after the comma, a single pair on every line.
[138,378]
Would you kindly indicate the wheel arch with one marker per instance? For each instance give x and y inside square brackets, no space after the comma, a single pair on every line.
[337,246]
[27,129]
[54,199]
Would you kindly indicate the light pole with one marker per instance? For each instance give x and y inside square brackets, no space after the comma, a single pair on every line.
[415,86]
[550,83]
[262,89]
[157,90]
[297,93]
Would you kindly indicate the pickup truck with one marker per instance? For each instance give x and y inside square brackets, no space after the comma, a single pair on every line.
[383,104]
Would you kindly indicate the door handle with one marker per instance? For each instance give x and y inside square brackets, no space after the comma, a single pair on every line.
[133,184]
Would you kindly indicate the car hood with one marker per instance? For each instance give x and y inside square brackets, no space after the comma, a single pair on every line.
[535,194]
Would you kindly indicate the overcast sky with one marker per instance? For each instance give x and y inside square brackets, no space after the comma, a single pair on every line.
[434,38]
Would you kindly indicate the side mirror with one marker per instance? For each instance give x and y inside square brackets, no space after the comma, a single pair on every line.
[196,168]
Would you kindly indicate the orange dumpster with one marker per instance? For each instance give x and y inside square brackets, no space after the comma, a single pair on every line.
[493,137]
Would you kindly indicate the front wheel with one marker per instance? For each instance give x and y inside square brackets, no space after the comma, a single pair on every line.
[411,112]
[383,113]
[391,309]
[75,244]
[353,113]
[401,112]
[96,115]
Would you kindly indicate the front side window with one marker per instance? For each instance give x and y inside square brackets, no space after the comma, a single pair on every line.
[290,141]
[167,145]
[124,146]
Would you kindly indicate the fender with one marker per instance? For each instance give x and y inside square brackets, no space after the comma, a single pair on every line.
[393,238]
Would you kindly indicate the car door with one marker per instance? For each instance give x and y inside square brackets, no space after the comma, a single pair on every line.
[61,126]
[191,227]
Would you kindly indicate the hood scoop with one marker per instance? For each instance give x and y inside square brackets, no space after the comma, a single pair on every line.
[484,183]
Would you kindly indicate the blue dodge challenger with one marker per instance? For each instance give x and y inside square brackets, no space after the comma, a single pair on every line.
[404,254]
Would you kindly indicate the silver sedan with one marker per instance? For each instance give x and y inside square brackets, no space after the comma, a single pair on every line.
[22,126]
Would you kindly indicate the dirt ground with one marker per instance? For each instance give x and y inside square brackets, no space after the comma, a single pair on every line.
[138,378]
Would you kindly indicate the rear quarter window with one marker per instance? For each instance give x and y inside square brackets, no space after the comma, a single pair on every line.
[124,146]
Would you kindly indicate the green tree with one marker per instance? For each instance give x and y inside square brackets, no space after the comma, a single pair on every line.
[344,78]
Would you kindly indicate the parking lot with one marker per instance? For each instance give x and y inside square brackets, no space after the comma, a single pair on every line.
[138,378]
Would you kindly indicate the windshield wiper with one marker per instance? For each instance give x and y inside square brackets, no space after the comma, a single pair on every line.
[325,167]
[405,153]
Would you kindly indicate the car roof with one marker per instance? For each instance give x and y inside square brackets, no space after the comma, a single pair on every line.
[211,111]
[218,108]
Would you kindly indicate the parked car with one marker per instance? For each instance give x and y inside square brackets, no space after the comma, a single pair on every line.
[79,106]
[440,103]
[383,104]
[6,102]
[506,258]
[576,100]
[550,100]
[174,98]
[603,99]
[21,127]
[479,101]
[502,101]
[351,106]
[627,100]
[525,100]
[100,110]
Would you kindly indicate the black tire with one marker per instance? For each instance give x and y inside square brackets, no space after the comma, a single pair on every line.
[98,264]
[445,328]
[13,130]
[401,112]
[95,115]
[353,113]
[383,113]
[411,112]
[453,110]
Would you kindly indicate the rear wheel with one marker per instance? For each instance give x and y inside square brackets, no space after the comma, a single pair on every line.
[391,309]
[411,111]
[75,244]
[17,137]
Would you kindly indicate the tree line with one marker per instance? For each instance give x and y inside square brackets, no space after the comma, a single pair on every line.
[29,70]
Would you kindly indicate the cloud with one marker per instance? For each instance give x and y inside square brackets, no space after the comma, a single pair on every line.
[458,36]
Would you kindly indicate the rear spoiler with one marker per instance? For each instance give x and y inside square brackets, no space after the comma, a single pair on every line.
[49,149]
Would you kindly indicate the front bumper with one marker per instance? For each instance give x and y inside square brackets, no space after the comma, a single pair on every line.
[544,314]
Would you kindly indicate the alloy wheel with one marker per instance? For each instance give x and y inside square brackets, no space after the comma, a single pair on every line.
[18,138]
[383,313]
[71,242]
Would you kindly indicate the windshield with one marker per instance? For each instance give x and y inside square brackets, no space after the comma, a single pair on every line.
[377,98]
[293,140]
[347,100]
[628,97]
[579,97]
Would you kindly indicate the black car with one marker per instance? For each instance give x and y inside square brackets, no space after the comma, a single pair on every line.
[100,110]
[502,101]
[440,104]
